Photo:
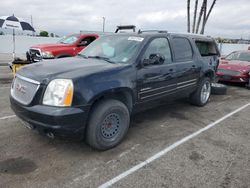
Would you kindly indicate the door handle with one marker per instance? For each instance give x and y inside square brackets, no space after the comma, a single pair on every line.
[171,70]
[193,66]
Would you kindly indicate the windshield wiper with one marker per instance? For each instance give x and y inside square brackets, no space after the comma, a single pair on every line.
[102,58]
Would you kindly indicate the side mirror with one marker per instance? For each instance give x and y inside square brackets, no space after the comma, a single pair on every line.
[83,43]
[154,59]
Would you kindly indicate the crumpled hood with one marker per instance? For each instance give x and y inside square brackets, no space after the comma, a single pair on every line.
[71,68]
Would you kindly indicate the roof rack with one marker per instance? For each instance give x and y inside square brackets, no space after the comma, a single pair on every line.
[125,27]
[149,31]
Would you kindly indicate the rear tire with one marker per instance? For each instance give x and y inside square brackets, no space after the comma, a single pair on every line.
[108,124]
[202,94]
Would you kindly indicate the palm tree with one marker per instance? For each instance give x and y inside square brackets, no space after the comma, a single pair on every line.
[207,16]
[188,16]
[195,13]
[200,16]
[203,16]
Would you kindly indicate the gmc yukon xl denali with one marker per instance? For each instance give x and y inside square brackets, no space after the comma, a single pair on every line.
[93,95]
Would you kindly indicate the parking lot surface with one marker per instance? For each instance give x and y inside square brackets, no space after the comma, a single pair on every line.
[218,157]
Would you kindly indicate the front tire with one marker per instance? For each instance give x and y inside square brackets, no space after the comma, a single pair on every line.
[202,94]
[108,124]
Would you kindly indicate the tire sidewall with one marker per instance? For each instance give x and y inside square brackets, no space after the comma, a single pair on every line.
[104,109]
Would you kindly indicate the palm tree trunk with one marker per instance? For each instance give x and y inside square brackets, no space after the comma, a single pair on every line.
[200,16]
[188,16]
[208,14]
[204,17]
[195,13]
[210,10]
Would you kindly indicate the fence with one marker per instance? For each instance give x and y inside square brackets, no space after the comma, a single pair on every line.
[22,43]
[228,48]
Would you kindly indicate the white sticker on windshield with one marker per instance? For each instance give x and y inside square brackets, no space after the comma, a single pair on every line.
[139,39]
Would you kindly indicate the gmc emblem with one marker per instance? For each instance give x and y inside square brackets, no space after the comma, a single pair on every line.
[21,88]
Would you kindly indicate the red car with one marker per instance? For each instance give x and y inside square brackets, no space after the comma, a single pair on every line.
[67,47]
[235,67]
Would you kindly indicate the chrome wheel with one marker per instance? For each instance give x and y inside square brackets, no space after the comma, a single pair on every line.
[205,92]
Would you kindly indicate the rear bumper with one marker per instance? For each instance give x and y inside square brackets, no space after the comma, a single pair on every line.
[66,122]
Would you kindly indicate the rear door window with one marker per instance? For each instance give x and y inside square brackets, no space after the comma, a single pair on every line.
[182,49]
[206,48]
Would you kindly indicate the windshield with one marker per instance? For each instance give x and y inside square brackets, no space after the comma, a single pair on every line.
[116,49]
[69,40]
[241,56]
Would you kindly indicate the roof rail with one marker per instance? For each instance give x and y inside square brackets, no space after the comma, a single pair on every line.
[148,31]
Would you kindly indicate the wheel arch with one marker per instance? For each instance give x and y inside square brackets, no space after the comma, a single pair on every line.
[63,55]
[125,95]
[210,74]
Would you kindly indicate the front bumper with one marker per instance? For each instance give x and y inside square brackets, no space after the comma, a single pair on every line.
[233,78]
[66,122]
[248,84]
[34,57]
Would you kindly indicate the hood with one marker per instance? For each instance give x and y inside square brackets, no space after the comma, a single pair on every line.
[234,65]
[49,45]
[71,68]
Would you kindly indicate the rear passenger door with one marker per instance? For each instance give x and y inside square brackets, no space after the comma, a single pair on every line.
[187,68]
[156,80]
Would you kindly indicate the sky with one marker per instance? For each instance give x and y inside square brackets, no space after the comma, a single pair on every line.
[229,19]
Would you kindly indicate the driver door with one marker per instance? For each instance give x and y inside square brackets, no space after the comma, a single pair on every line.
[156,80]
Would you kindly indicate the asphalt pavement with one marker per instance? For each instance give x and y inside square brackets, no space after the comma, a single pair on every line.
[5,72]
[216,157]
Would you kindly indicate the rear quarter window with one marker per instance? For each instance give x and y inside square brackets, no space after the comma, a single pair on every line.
[206,48]
[182,49]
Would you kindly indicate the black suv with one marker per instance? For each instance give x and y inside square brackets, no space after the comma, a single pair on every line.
[93,94]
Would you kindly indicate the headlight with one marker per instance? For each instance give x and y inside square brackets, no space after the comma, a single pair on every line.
[59,92]
[47,54]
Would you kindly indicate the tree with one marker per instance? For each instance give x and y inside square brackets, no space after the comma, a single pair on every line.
[203,16]
[200,16]
[195,13]
[44,34]
[188,16]
[207,16]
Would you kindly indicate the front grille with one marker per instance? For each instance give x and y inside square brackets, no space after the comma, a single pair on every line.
[24,89]
[35,54]
[229,72]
